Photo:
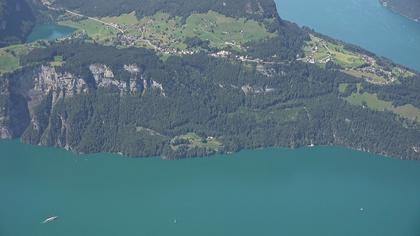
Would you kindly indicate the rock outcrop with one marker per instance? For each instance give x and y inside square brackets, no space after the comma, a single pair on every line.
[59,85]
[104,78]
[28,99]
[250,90]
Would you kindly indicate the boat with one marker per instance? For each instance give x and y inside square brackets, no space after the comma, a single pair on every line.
[50,219]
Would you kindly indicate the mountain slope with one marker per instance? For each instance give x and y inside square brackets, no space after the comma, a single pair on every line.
[408,8]
[16,21]
[207,80]
[184,8]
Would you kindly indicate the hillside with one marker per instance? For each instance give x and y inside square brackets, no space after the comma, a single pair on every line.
[234,8]
[156,79]
[16,21]
[408,8]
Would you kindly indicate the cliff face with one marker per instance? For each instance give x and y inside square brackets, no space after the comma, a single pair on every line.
[4,118]
[23,92]
[408,8]
[49,82]
[14,114]
[29,98]
[105,78]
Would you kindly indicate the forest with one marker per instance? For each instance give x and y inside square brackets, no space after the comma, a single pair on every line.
[298,105]
[88,97]
[255,9]
[16,21]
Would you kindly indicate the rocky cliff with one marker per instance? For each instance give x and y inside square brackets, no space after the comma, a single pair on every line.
[105,78]
[49,82]
[29,97]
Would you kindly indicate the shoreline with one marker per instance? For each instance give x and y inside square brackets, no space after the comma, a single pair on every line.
[225,154]
[396,11]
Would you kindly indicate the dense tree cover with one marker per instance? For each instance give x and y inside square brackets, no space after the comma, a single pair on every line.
[196,42]
[256,9]
[79,55]
[14,110]
[297,105]
[243,105]
[16,21]
[286,46]
[404,92]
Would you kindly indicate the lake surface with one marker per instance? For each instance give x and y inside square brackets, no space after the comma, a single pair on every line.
[49,32]
[318,191]
[362,22]
[313,191]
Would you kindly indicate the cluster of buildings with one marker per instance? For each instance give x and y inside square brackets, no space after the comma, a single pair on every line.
[130,40]
[370,66]
[373,68]
[315,49]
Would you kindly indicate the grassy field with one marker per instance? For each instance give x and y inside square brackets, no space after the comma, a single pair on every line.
[335,52]
[8,62]
[370,100]
[409,111]
[125,19]
[95,30]
[165,31]
[320,51]
[400,72]
[373,102]
[58,61]
[10,56]
[192,140]
[161,30]
[224,31]
[220,30]
[342,87]
[372,77]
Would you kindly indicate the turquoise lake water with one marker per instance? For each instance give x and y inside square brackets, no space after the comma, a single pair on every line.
[322,191]
[314,191]
[49,32]
[362,22]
